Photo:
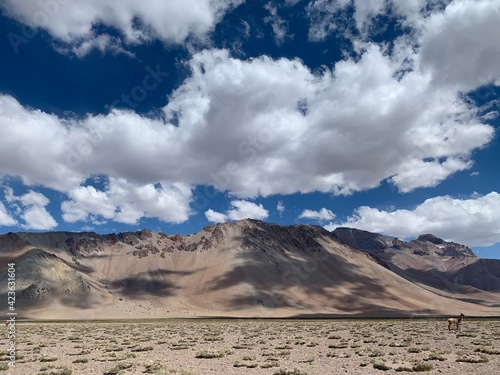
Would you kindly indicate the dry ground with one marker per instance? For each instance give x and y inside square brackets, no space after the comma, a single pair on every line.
[255,347]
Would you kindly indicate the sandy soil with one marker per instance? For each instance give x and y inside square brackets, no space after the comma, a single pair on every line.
[211,346]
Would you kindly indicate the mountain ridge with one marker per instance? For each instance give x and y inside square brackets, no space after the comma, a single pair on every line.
[244,269]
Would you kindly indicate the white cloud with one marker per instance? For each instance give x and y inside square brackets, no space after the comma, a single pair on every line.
[463,32]
[31,209]
[342,139]
[215,217]
[103,43]
[473,222]
[247,210]
[37,217]
[280,207]
[329,16]
[126,202]
[323,16]
[320,215]
[348,140]
[5,218]
[279,25]
[443,31]
[138,21]
[241,210]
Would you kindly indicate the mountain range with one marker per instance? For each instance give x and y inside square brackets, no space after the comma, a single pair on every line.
[247,268]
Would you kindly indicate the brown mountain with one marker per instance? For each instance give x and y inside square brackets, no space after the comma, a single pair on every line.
[247,268]
[431,262]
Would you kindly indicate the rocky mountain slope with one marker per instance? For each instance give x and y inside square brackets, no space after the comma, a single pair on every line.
[247,268]
[429,261]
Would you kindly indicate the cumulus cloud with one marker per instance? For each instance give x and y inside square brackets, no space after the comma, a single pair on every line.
[300,132]
[31,208]
[74,23]
[445,32]
[241,210]
[320,215]
[474,221]
[5,218]
[126,202]
[462,32]
[297,132]
[216,217]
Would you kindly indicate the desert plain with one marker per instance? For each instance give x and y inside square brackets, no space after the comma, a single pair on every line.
[255,346]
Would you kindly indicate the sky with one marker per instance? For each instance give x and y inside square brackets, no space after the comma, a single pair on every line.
[175,114]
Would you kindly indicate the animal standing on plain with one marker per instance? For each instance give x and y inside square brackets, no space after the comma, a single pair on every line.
[455,322]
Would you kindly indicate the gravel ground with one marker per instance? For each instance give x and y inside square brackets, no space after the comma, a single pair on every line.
[214,346]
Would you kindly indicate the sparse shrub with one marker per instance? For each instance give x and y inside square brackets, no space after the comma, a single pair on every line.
[435,357]
[269,364]
[403,369]
[118,369]
[376,353]
[334,337]
[420,367]
[473,359]
[81,360]
[48,359]
[379,365]
[157,368]
[62,371]
[239,346]
[487,351]
[114,349]
[342,345]
[292,372]
[143,349]
[307,360]
[209,354]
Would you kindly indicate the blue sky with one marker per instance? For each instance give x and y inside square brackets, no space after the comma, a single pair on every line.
[171,115]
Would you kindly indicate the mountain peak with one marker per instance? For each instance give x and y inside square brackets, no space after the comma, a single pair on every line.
[363,240]
[430,238]
[445,248]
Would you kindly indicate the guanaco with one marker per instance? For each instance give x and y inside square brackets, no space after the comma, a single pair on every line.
[455,322]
